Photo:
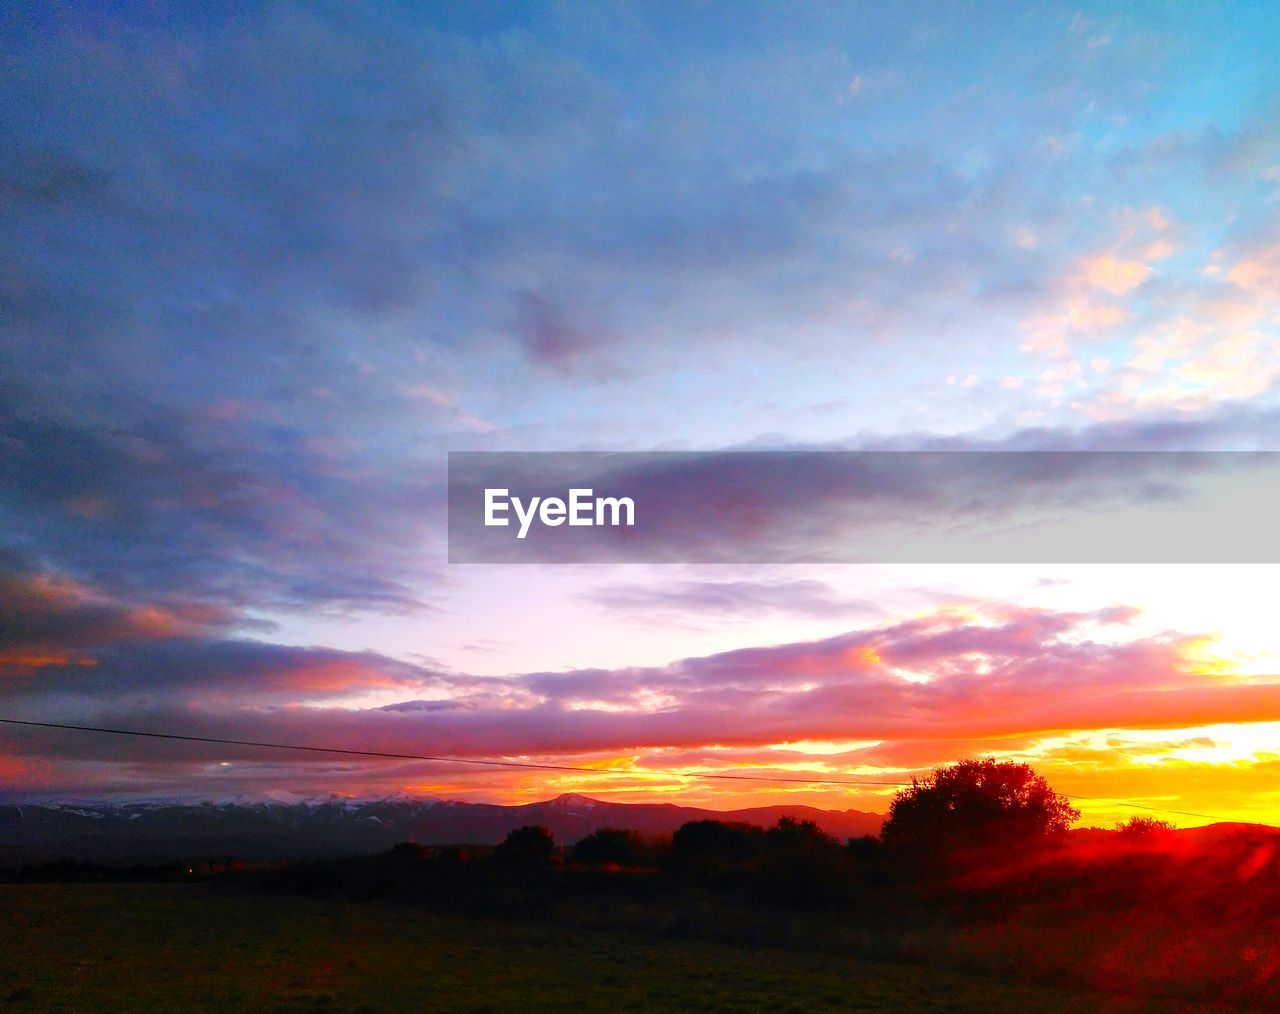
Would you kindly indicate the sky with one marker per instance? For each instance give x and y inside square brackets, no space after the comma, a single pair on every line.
[263,267]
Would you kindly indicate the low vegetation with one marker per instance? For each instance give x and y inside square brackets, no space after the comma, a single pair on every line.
[192,947]
[975,873]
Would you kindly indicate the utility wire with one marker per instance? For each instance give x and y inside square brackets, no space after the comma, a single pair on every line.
[452,760]
[1142,806]
[1161,809]
[676,773]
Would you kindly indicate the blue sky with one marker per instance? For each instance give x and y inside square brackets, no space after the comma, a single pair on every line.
[262,269]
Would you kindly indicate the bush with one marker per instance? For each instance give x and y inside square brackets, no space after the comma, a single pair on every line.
[801,866]
[1141,827]
[976,806]
[612,847]
[713,844]
[531,845]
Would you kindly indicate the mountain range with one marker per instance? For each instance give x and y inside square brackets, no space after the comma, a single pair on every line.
[147,832]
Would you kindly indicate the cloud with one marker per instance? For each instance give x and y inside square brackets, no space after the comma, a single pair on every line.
[1259,272]
[999,504]
[445,191]
[233,516]
[712,599]
[552,340]
[246,247]
[258,272]
[958,677]
[47,619]
[1116,277]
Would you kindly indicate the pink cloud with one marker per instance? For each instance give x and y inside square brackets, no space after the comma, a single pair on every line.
[1117,277]
[921,688]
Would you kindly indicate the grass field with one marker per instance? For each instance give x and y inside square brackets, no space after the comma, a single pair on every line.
[176,947]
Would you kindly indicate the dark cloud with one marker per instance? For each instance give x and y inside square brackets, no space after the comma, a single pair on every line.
[50,621]
[935,506]
[246,517]
[192,673]
[552,339]
[448,185]
[304,215]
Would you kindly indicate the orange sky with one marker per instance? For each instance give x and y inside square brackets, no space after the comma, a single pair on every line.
[1110,707]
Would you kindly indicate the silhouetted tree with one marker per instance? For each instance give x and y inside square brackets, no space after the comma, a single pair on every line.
[790,833]
[611,845]
[977,804]
[408,853]
[1140,827]
[865,848]
[530,845]
[713,843]
[800,865]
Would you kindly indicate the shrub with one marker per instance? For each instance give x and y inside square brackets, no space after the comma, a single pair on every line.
[611,846]
[975,807]
[531,845]
[1141,827]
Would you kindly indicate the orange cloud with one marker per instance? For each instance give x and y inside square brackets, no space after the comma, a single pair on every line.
[16,661]
[880,703]
[1117,277]
[1259,272]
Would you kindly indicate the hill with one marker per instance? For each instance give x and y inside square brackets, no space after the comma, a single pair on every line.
[176,832]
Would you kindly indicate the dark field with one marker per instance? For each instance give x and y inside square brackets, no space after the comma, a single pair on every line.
[176,947]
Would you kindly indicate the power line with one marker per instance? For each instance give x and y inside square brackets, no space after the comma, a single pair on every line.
[531,765]
[1162,809]
[444,759]
[1142,806]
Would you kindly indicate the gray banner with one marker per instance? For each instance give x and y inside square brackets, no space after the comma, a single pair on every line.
[865,507]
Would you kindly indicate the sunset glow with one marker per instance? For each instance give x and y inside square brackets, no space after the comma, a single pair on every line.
[240,342]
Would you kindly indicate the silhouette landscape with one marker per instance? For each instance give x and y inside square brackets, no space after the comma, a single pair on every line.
[974,870]
[639,505]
